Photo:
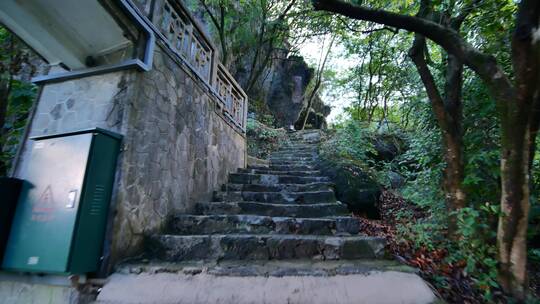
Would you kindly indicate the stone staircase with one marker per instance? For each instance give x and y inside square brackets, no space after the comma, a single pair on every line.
[285,211]
[270,228]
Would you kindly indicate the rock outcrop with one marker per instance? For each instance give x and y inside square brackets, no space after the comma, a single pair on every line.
[387,147]
[353,186]
[285,98]
[317,115]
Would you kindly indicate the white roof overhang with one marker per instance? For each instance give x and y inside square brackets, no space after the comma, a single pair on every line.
[63,31]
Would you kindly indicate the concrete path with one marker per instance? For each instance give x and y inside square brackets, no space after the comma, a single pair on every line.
[386,287]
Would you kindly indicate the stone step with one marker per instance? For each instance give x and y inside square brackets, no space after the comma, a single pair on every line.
[293,155]
[313,164]
[284,197]
[284,167]
[271,179]
[298,146]
[267,268]
[305,132]
[293,158]
[176,248]
[281,172]
[296,154]
[274,281]
[298,149]
[294,150]
[300,141]
[320,186]
[266,209]
[310,161]
[305,136]
[254,224]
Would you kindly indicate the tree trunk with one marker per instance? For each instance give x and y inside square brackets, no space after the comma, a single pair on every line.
[535,125]
[519,127]
[513,222]
[220,28]
[453,141]
[448,113]
[317,83]
[453,181]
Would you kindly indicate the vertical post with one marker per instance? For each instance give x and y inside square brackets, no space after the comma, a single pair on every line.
[244,120]
[157,13]
[214,68]
[189,42]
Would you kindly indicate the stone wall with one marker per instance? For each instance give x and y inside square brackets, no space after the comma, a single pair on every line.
[178,151]
[177,148]
[97,101]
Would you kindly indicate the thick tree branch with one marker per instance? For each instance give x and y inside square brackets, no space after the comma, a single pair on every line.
[417,55]
[210,14]
[484,65]
[384,28]
[220,27]
[223,41]
[446,37]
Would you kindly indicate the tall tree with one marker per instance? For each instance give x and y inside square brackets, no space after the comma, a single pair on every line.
[516,100]
[249,33]
[318,80]
[225,19]
[447,106]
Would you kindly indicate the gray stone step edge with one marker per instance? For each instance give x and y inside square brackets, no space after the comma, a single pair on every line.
[172,248]
[184,224]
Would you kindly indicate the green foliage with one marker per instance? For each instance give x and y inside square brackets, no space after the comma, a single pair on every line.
[382,78]
[353,141]
[16,95]
[262,139]
[476,226]
[250,34]
[423,165]
[481,145]
[20,101]
[394,82]
[262,132]
[426,233]
[534,255]
[536,168]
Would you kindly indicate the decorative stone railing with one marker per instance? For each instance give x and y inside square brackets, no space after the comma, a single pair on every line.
[233,99]
[184,37]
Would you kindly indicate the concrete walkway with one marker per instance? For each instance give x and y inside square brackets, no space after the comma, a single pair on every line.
[387,287]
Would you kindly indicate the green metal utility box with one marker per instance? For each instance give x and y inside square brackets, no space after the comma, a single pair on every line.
[61,216]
